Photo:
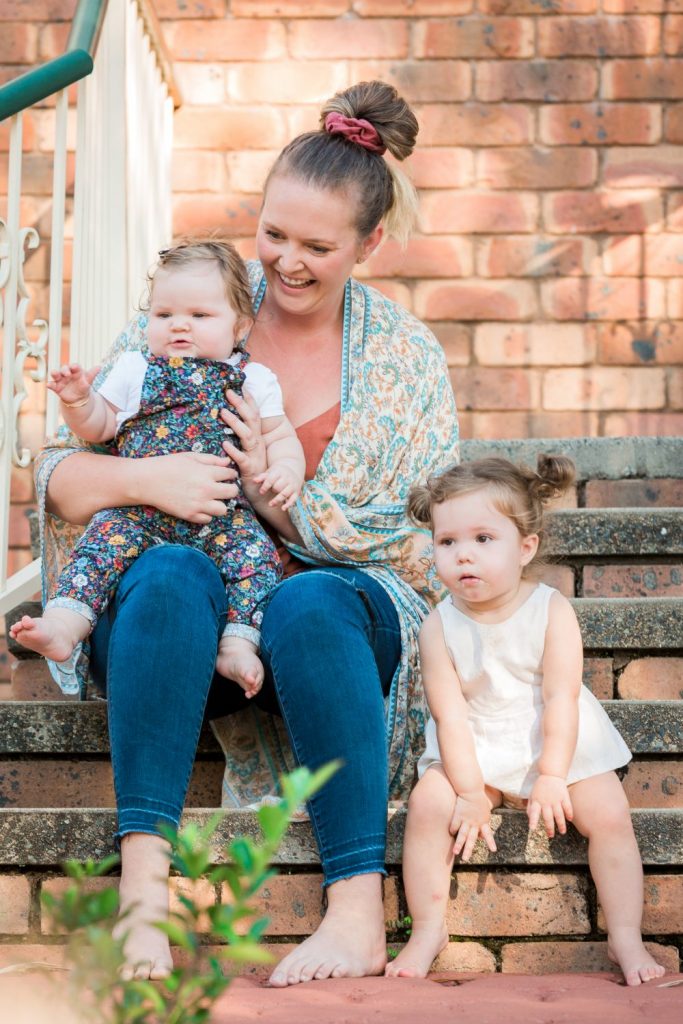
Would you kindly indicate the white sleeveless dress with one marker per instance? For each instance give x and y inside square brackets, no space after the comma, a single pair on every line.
[500,666]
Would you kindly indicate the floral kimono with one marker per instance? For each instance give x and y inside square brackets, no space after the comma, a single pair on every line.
[397,425]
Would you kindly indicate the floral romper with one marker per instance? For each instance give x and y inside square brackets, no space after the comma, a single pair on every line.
[179,411]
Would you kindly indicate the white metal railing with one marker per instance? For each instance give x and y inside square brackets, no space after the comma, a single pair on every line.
[122,215]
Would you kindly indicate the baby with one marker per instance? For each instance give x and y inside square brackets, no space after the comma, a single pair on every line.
[168,398]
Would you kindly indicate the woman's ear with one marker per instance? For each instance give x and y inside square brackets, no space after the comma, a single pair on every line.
[529,548]
[369,244]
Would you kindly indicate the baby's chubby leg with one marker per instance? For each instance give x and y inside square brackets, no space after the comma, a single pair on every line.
[54,634]
[238,660]
[601,813]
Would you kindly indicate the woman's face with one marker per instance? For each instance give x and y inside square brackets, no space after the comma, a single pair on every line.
[308,244]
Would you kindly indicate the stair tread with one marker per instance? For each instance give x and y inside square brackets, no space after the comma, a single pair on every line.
[45,837]
[49,727]
[611,532]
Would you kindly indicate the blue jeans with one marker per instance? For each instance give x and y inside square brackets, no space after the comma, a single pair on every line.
[330,644]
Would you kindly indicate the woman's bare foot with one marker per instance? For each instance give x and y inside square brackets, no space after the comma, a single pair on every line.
[143,897]
[625,948]
[350,941]
[419,953]
[238,660]
[54,635]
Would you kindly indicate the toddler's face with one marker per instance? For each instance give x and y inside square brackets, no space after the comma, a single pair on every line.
[479,553]
[190,315]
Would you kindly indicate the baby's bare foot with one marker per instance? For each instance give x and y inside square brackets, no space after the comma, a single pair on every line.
[419,953]
[626,949]
[237,659]
[47,636]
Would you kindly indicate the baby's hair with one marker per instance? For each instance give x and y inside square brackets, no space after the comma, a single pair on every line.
[190,250]
[516,491]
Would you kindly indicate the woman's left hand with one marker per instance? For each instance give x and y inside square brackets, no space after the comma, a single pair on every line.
[245,421]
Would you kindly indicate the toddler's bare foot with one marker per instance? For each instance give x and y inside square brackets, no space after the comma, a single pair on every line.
[237,659]
[419,953]
[625,948]
[143,897]
[50,636]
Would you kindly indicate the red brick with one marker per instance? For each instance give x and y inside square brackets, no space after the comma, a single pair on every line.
[410,8]
[673,35]
[436,256]
[573,957]
[316,80]
[654,784]
[602,212]
[445,167]
[561,577]
[674,387]
[643,167]
[475,300]
[21,485]
[600,124]
[657,79]
[475,125]
[18,44]
[474,37]
[532,256]
[650,424]
[28,139]
[651,493]
[287,8]
[455,340]
[533,345]
[633,581]
[248,169]
[664,256]
[598,677]
[623,256]
[347,37]
[190,8]
[477,389]
[537,168]
[31,680]
[424,81]
[201,84]
[37,10]
[662,906]
[598,37]
[638,6]
[674,123]
[52,40]
[463,957]
[202,171]
[640,343]
[547,81]
[492,903]
[512,7]
[236,215]
[13,955]
[603,388]
[244,128]
[232,40]
[478,212]
[491,426]
[15,898]
[610,298]
[36,178]
[394,290]
[674,298]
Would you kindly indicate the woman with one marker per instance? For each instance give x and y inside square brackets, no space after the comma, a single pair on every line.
[367,388]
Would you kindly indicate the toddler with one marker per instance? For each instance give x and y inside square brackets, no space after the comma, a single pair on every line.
[511,723]
[168,398]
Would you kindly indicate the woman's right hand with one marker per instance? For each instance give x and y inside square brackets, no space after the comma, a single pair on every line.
[193,486]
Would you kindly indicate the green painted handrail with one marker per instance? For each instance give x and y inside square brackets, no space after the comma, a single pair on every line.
[76,63]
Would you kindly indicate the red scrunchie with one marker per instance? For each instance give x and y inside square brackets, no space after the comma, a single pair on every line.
[355,130]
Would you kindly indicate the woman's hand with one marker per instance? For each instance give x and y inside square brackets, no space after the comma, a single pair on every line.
[250,458]
[471,820]
[550,800]
[193,486]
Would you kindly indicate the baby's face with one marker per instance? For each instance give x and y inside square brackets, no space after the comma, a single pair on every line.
[189,314]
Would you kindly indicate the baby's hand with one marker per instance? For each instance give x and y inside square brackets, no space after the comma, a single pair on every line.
[284,481]
[550,800]
[471,820]
[71,382]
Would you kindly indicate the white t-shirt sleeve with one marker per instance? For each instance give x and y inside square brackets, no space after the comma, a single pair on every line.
[123,386]
[263,385]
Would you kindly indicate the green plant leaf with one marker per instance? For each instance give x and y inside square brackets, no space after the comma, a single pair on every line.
[177,934]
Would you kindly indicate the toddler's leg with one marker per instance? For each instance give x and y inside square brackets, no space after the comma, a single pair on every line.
[54,634]
[601,813]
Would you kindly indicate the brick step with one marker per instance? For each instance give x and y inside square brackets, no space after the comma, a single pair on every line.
[45,837]
[574,533]
[56,727]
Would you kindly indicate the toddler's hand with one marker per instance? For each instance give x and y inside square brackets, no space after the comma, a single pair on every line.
[471,820]
[71,382]
[550,800]
[284,481]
